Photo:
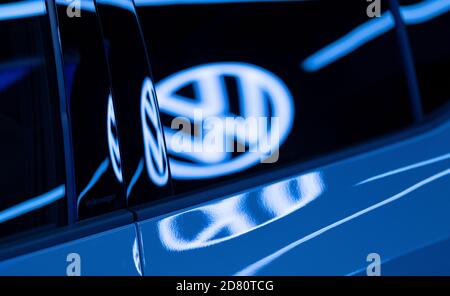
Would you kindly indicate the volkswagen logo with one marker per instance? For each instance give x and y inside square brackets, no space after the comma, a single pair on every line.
[113,142]
[154,146]
[261,94]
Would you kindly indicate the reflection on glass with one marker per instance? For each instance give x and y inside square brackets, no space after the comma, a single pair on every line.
[250,65]
[428,31]
[154,147]
[95,136]
[32,174]
[144,165]
[412,15]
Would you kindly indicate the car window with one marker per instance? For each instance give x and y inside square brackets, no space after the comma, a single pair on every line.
[311,77]
[430,47]
[32,174]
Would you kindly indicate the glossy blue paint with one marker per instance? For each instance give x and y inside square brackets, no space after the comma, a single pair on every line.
[392,201]
[427,261]
[114,252]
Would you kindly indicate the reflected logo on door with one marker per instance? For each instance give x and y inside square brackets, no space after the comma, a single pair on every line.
[255,92]
[219,221]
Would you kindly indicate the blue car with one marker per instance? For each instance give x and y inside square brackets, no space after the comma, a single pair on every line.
[247,138]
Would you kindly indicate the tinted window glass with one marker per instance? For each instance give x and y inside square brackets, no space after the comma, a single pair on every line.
[31,151]
[145,167]
[328,73]
[428,26]
[95,137]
